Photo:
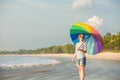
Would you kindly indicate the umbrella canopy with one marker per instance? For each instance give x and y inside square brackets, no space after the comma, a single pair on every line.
[92,37]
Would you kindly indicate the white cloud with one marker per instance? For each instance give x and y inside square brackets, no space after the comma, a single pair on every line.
[95,21]
[81,3]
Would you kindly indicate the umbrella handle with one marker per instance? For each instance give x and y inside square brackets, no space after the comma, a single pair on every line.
[81,44]
[84,41]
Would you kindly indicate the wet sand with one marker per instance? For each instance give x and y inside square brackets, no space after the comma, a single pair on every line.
[66,70]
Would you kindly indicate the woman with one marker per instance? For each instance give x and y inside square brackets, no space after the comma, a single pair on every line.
[80,51]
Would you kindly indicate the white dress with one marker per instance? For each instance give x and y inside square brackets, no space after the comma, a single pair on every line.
[79,53]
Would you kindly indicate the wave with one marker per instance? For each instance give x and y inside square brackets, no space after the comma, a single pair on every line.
[26,65]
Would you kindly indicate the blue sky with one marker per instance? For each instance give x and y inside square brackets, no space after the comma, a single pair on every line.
[32,24]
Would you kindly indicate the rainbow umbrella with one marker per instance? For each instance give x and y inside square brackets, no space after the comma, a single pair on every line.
[92,37]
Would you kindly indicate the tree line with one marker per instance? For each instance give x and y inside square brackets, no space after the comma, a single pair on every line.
[111,42]
[68,48]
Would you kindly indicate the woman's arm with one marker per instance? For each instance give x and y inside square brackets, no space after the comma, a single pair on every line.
[84,51]
[74,57]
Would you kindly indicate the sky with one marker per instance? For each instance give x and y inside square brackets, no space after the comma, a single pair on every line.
[32,24]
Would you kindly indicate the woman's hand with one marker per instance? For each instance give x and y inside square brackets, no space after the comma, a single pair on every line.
[73,60]
[74,57]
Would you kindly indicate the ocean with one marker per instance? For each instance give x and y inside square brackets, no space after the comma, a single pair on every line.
[7,62]
[66,70]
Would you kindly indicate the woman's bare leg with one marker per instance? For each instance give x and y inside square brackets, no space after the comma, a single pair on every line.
[81,69]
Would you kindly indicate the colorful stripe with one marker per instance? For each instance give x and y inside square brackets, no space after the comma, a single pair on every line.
[92,37]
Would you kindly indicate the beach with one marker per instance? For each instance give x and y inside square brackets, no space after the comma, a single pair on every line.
[100,56]
[104,66]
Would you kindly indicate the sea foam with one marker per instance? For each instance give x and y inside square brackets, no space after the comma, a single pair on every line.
[7,62]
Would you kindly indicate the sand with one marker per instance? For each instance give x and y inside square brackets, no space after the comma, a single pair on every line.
[100,56]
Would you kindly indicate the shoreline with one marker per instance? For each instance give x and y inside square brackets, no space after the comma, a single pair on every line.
[100,56]
[63,71]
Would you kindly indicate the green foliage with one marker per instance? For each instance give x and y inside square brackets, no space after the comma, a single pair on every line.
[68,48]
[112,41]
